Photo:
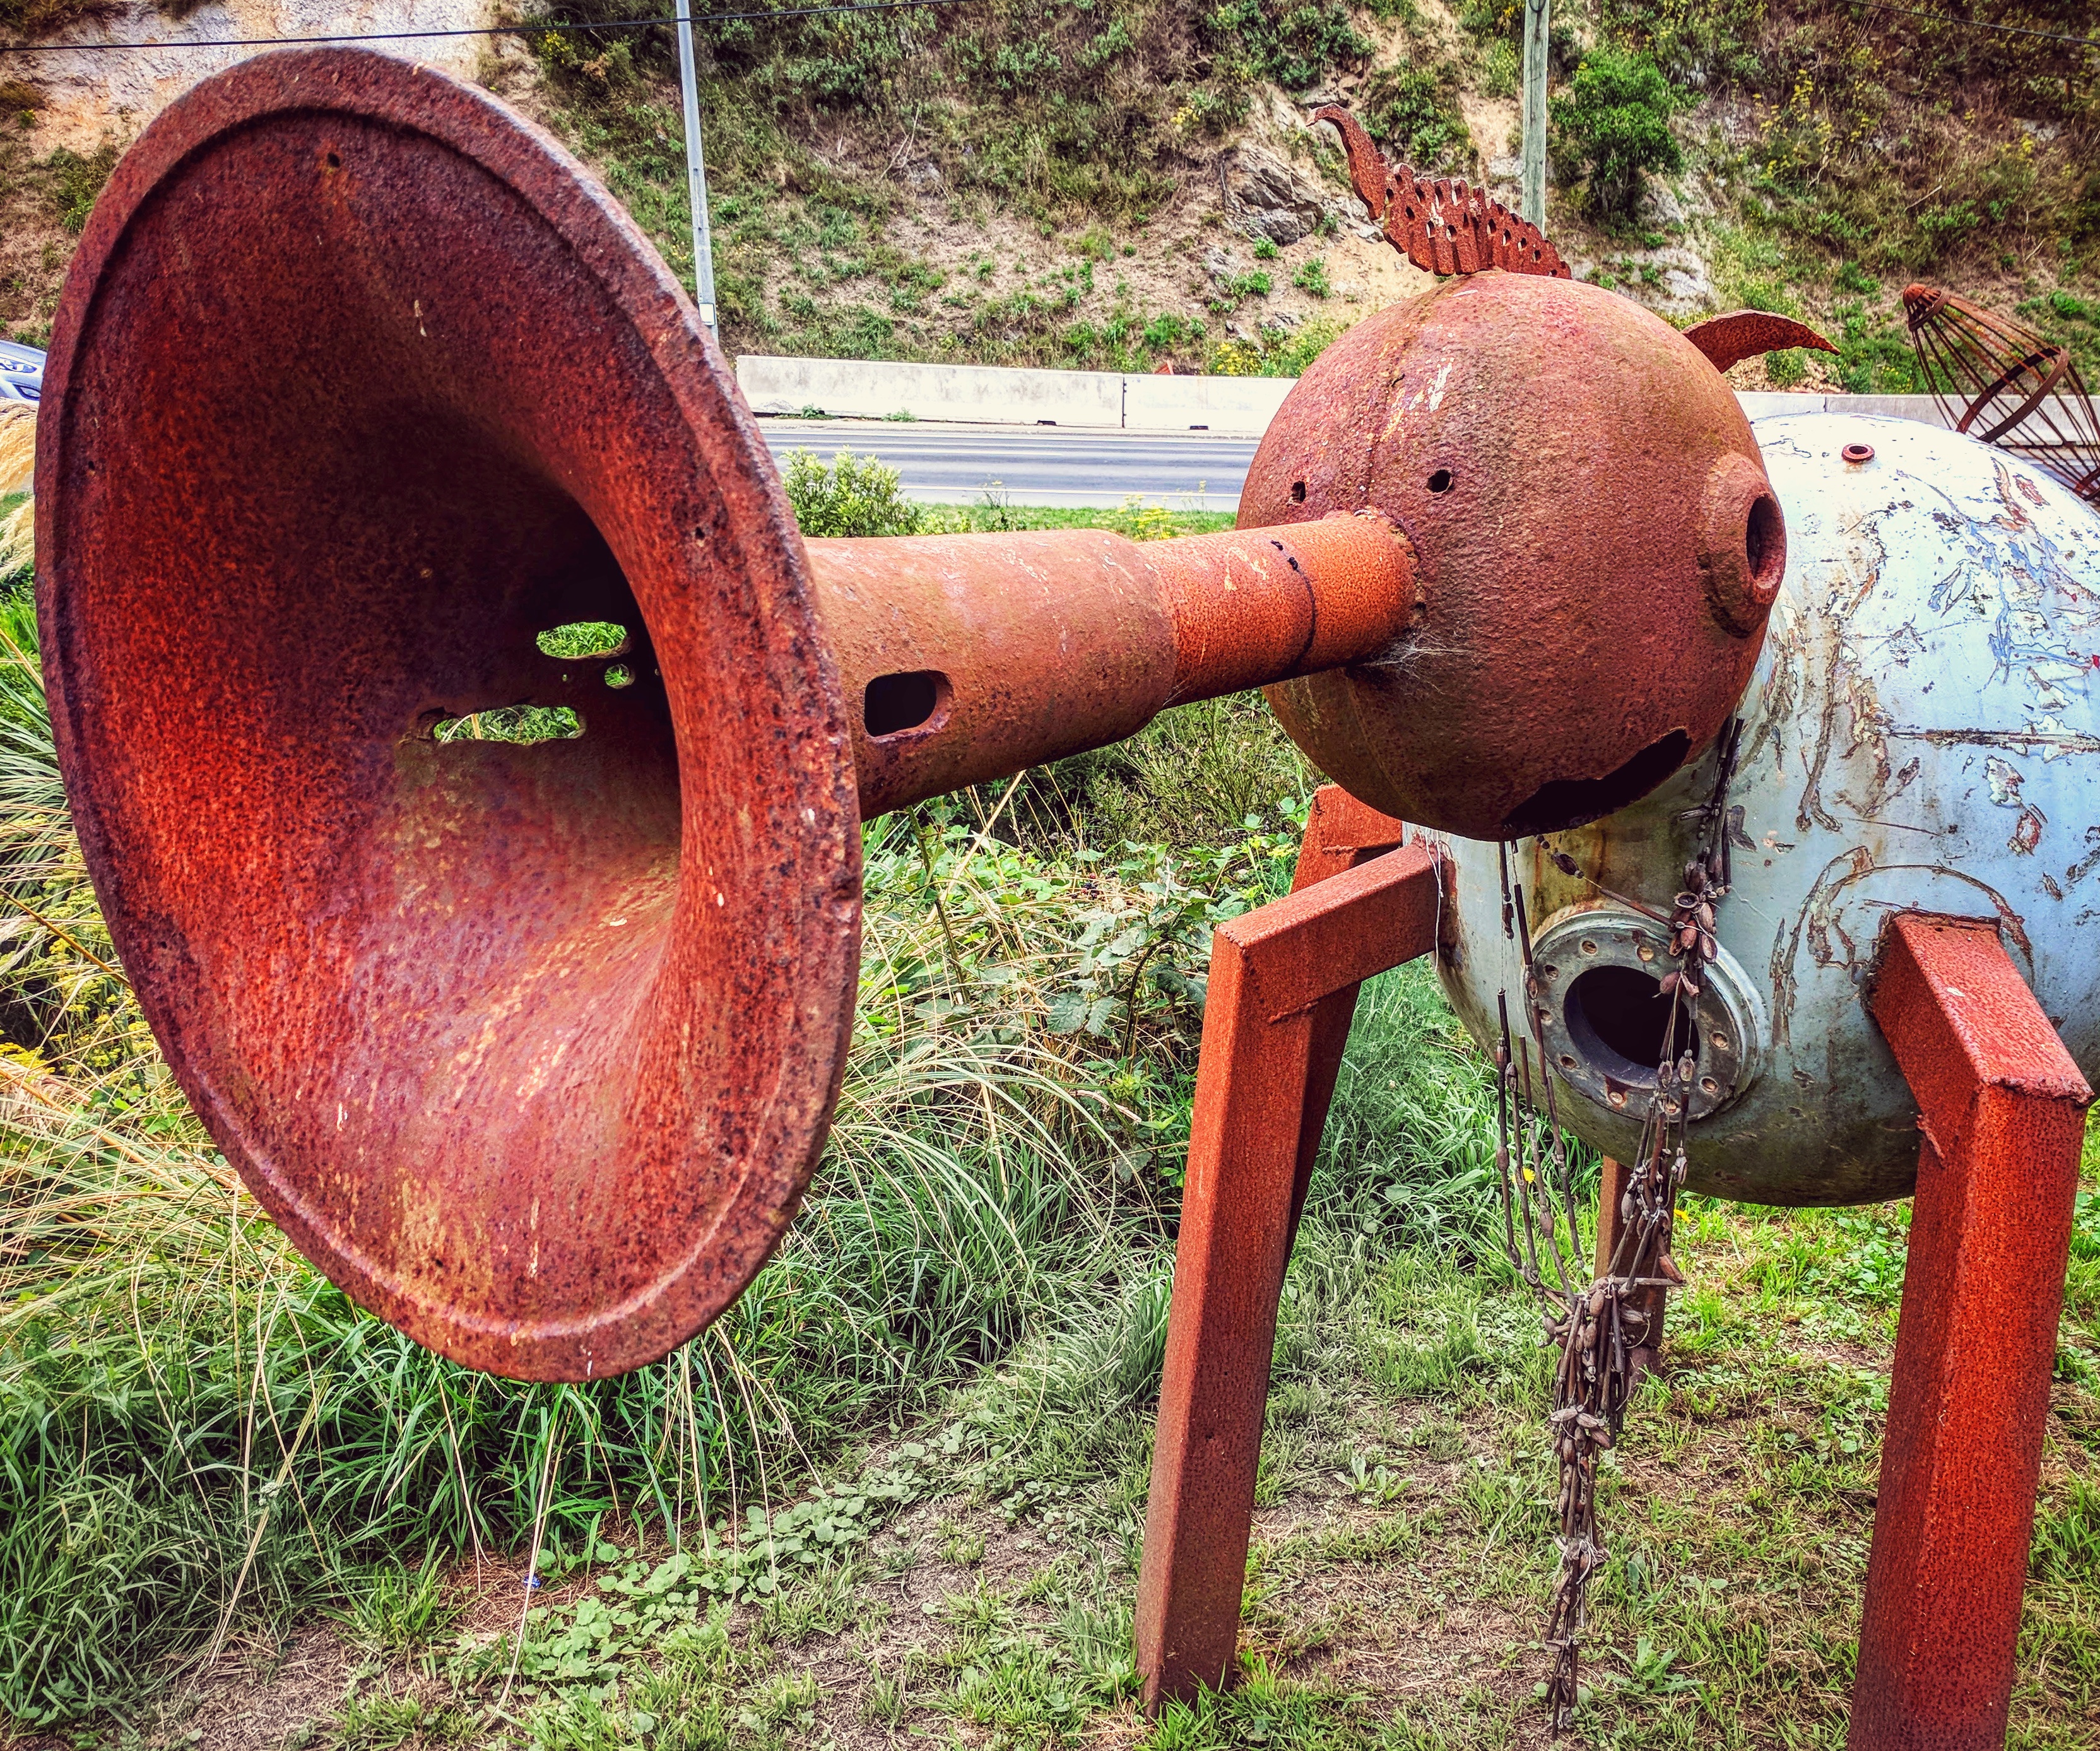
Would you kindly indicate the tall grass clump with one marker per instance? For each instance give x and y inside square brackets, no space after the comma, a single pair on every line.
[18,465]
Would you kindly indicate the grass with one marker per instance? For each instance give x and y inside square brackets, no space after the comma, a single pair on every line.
[900,1489]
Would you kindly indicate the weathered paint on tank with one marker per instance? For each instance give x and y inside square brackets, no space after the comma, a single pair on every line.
[1920,732]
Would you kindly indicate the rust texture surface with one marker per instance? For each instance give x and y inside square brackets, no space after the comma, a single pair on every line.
[1436,222]
[1741,334]
[2002,1111]
[531,1049]
[1043,643]
[1597,549]
[1283,988]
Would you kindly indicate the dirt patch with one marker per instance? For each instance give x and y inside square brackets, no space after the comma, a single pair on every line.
[259,1696]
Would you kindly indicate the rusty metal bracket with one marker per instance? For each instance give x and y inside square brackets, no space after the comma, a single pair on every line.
[1282,992]
[1437,222]
[2001,1106]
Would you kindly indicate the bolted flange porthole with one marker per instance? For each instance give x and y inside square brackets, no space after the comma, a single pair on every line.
[1605,1016]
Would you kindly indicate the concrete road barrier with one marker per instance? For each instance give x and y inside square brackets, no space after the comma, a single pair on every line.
[1228,406]
[1240,405]
[972,395]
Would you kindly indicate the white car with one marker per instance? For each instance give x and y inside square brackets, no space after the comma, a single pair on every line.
[21,372]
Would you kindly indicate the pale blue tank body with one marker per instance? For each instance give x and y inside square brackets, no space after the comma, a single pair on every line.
[1921,732]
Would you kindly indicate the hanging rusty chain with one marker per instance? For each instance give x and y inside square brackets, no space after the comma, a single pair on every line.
[1598,1325]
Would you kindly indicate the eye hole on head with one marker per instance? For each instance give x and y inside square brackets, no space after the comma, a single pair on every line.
[1764,543]
[910,700]
[1441,481]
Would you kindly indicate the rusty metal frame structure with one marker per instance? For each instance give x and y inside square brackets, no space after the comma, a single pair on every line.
[2001,1106]
[1282,994]
[2004,383]
[2002,1110]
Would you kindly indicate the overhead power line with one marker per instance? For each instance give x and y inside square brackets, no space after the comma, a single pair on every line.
[1982,23]
[479,30]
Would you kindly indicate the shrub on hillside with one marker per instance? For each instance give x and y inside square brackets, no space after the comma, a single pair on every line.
[856,494]
[1613,125]
[1413,112]
[1294,45]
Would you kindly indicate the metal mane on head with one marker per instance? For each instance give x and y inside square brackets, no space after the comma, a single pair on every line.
[1445,227]
[1438,222]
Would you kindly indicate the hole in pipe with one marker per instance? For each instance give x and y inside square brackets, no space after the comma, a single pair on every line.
[582,638]
[909,700]
[510,723]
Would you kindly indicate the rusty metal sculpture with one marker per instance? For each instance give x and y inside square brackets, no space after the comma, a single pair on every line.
[2003,382]
[359,383]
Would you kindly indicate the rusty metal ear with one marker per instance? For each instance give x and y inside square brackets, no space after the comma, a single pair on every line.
[1745,333]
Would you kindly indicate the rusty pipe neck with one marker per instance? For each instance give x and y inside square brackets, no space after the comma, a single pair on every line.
[973,657]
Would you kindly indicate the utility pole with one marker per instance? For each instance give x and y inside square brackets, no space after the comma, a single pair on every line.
[696,172]
[1534,110]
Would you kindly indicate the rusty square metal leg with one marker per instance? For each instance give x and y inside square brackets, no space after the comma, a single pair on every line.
[1611,1224]
[2001,1105]
[1282,990]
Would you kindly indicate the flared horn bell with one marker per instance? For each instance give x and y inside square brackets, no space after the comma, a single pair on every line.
[358,388]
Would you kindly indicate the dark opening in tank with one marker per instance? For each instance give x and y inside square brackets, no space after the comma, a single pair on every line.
[1618,1019]
[1576,802]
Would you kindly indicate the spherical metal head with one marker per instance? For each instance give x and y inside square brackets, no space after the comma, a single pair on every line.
[360,385]
[1597,541]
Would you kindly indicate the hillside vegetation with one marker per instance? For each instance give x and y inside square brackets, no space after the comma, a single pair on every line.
[1122,184]
[1126,182]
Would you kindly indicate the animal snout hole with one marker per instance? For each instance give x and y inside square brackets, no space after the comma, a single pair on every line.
[910,700]
[1764,543]
[580,639]
[1618,1019]
[1298,492]
[1441,481]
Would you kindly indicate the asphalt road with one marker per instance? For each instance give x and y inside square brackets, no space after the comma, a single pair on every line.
[959,464]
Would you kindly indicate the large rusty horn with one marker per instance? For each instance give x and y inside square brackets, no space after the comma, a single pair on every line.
[359,383]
